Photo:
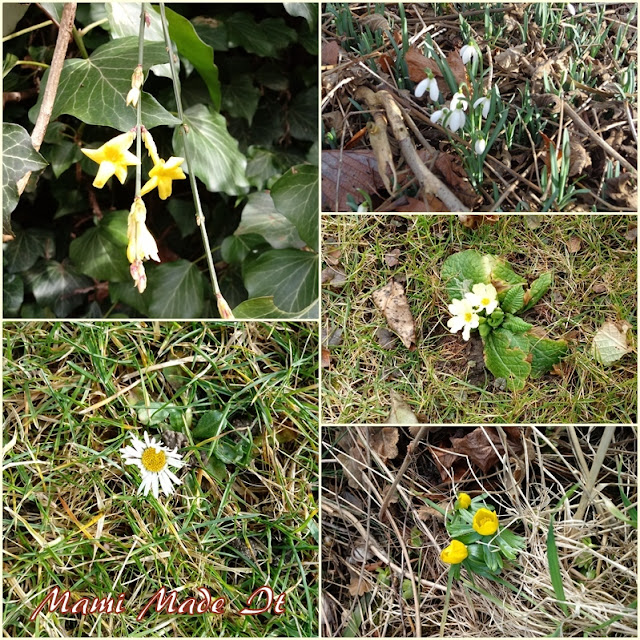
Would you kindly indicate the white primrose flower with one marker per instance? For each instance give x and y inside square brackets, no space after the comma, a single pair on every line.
[465,317]
[153,459]
[468,52]
[483,296]
[479,146]
[429,83]
[486,105]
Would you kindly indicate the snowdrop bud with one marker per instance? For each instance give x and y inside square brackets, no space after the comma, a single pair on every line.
[479,146]
[468,52]
[571,9]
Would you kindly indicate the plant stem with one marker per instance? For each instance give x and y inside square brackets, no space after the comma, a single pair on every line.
[192,179]
[46,23]
[139,105]
[77,37]
[446,603]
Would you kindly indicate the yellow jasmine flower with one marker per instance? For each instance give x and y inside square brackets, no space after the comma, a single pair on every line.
[113,158]
[463,501]
[141,245]
[162,174]
[136,84]
[223,308]
[149,143]
[455,553]
[133,96]
[485,522]
[139,275]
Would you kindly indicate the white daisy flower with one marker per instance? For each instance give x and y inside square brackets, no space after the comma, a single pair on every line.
[153,459]
[464,317]
[468,52]
[483,296]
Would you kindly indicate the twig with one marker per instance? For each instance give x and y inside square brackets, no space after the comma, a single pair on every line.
[50,91]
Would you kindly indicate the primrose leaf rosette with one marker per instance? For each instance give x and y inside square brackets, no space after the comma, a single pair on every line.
[492,293]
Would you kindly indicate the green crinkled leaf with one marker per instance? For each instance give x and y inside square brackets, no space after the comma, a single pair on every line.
[175,290]
[264,308]
[240,98]
[12,293]
[513,300]
[505,357]
[303,115]
[295,196]
[18,158]
[199,54]
[501,273]
[101,252]
[537,289]
[462,270]
[263,165]
[27,246]
[289,275]
[214,154]
[57,285]
[546,353]
[516,325]
[260,216]
[95,90]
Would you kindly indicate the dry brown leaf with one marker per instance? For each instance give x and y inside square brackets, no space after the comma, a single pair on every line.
[632,234]
[333,276]
[385,338]
[413,205]
[474,220]
[374,21]
[458,68]
[401,413]
[354,466]
[622,190]
[379,141]
[600,287]
[574,244]
[456,179]
[358,587]
[579,159]
[325,358]
[392,258]
[331,53]
[417,63]
[384,441]
[429,512]
[509,60]
[393,303]
[332,258]
[533,221]
[611,342]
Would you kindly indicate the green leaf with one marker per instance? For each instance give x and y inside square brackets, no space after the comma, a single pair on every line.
[57,285]
[214,154]
[61,156]
[261,217]
[9,63]
[262,166]
[303,115]
[12,293]
[505,358]
[289,275]
[306,10]
[235,249]
[18,158]
[101,252]
[210,425]
[554,568]
[240,98]
[126,293]
[546,353]
[515,324]
[153,413]
[27,246]
[513,299]
[95,90]
[538,288]
[199,54]
[175,289]
[264,308]
[264,39]
[184,213]
[295,196]
[501,273]
[462,270]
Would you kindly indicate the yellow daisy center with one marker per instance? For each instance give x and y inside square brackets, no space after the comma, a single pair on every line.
[153,460]
[468,316]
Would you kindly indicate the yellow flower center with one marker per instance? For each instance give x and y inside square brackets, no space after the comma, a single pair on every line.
[113,154]
[153,460]
[468,316]
[485,302]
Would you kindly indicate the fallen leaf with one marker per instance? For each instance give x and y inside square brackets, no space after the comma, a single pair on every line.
[458,68]
[392,258]
[385,338]
[456,179]
[331,53]
[622,190]
[632,234]
[509,60]
[326,358]
[354,465]
[392,301]
[611,342]
[600,287]
[425,512]
[332,258]
[474,220]
[417,63]
[533,221]
[358,587]
[574,244]
[374,21]
[579,159]
[401,413]
[413,205]
[384,441]
[335,337]
[334,277]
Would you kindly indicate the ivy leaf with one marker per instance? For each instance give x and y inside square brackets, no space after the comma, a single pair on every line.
[289,275]
[505,357]
[101,252]
[240,98]
[27,246]
[18,158]
[538,288]
[95,90]
[513,299]
[199,54]
[57,285]
[235,249]
[515,324]
[261,217]
[262,166]
[264,39]
[546,353]
[305,10]
[175,290]
[462,270]
[12,293]
[295,196]
[214,154]
[260,308]
[303,115]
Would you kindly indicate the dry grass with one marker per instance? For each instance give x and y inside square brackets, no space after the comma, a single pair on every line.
[597,552]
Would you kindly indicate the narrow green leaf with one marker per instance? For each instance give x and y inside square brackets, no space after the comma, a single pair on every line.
[554,568]
[537,289]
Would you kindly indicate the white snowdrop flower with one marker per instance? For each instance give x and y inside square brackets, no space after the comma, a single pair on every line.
[459,99]
[428,83]
[479,146]
[464,317]
[440,114]
[468,52]
[486,105]
[456,120]
[571,9]
[153,459]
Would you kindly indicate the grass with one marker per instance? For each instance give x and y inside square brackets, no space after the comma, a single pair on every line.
[243,518]
[594,284]
[539,491]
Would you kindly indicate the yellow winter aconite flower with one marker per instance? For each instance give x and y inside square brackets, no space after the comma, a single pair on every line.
[113,158]
[485,522]
[463,501]
[162,174]
[455,553]
[141,245]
